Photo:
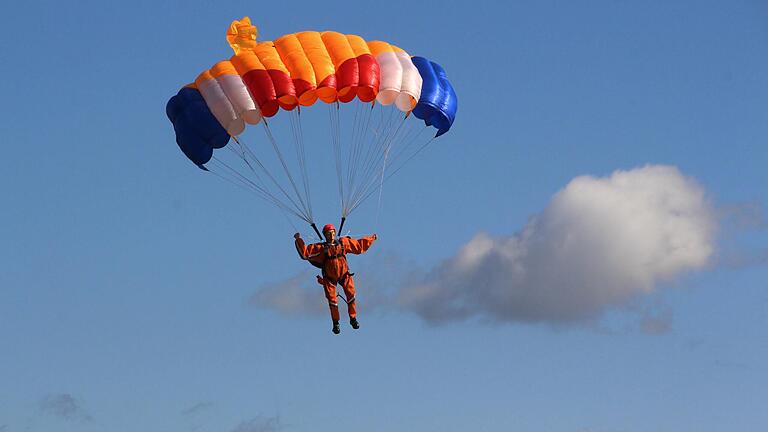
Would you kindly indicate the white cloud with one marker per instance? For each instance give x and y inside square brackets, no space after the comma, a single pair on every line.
[599,243]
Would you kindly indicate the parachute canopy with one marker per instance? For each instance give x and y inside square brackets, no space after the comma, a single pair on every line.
[263,78]
[301,69]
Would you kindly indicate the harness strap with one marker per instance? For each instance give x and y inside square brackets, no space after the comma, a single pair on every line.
[338,255]
[341,280]
[344,277]
[352,300]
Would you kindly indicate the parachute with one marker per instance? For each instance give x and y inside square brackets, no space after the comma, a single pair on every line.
[376,88]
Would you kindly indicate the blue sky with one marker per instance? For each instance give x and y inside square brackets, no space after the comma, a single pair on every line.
[130,281]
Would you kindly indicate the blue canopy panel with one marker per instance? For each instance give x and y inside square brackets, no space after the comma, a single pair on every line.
[437,104]
[197,130]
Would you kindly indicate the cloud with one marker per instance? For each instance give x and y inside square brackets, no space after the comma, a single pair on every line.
[745,225]
[299,295]
[598,244]
[64,406]
[656,324]
[743,217]
[601,243]
[197,408]
[259,424]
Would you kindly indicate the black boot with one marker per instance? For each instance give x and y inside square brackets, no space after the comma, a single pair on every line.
[336,329]
[353,322]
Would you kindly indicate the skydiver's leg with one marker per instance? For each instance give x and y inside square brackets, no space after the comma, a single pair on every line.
[349,290]
[330,294]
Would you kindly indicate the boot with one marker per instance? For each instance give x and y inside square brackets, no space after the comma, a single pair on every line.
[336,328]
[353,322]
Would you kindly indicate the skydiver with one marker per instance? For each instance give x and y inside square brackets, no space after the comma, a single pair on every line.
[330,256]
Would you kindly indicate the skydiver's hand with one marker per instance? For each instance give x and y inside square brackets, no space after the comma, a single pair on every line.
[297,236]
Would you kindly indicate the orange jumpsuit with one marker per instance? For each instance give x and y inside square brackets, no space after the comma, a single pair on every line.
[333,259]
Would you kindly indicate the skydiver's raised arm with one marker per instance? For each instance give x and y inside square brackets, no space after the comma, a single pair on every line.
[358,246]
[306,251]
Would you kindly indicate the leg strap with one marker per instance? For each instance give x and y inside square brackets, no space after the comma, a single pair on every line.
[344,277]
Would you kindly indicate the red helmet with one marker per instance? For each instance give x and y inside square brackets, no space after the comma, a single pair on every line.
[328,227]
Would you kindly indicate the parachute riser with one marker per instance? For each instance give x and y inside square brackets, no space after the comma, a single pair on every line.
[314,227]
